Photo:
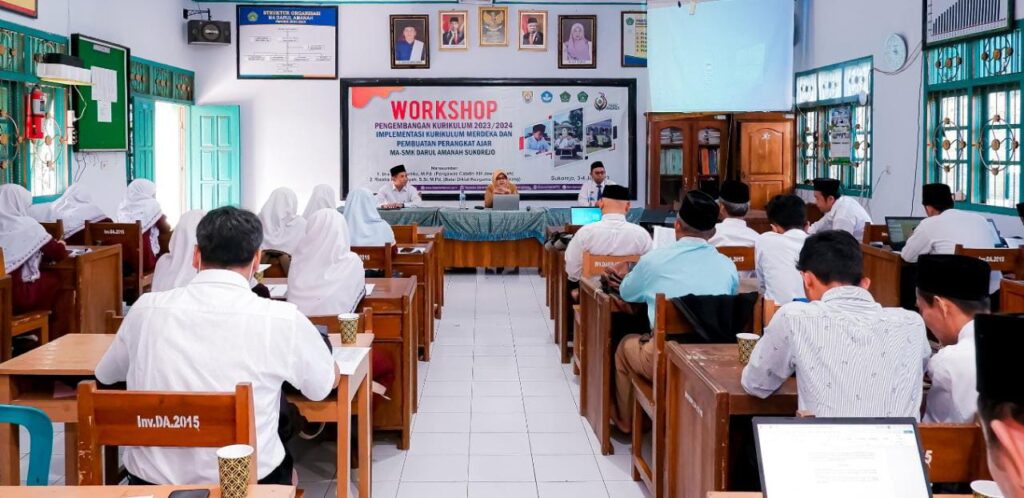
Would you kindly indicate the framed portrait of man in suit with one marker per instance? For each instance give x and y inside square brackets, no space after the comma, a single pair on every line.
[410,42]
[453,29]
[533,30]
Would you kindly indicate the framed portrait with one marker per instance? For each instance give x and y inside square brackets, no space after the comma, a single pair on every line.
[493,26]
[533,30]
[634,39]
[453,29]
[28,8]
[410,42]
[577,42]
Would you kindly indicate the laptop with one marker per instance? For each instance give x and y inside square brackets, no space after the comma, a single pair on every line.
[900,229]
[840,457]
[585,215]
[997,238]
[508,202]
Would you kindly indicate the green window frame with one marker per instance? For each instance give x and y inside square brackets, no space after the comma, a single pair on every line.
[972,129]
[817,92]
[154,81]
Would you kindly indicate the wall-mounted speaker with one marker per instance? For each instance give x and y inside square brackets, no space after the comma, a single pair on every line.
[209,32]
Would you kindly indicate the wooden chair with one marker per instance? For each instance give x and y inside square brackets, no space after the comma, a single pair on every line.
[12,325]
[405,234]
[169,419]
[376,258]
[279,263]
[113,322]
[743,257]
[954,452]
[334,326]
[1007,261]
[649,398]
[594,265]
[876,233]
[1011,296]
[129,237]
[54,228]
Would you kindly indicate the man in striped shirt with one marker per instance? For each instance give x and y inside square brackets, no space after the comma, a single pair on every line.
[853,358]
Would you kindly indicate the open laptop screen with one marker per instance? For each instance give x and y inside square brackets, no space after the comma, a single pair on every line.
[900,229]
[585,215]
[853,457]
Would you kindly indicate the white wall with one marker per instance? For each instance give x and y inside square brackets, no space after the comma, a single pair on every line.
[291,129]
[833,31]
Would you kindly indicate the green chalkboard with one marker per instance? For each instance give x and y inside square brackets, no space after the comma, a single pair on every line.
[102,124]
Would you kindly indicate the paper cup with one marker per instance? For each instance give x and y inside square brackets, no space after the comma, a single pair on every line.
[233,462]
[986,489]
[746,343]
[349,327]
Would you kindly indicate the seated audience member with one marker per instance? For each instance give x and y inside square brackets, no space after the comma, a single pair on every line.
[283,228]
[593,189]
[176,268]
[211,335]
[853,357]
[73,209]
[945,227]
[326,277]
[1001,399]
[26,246]
[612,236]
[500,185]
[951,290]
[323,197]
[776,252]
[734,202]
[366,227]
[398,193]
[840,212]
[690,266]
[140,205]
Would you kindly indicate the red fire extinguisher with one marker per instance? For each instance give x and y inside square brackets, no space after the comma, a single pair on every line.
[35,114]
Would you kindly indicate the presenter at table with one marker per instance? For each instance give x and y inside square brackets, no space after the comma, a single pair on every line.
[593,189]
[398,193]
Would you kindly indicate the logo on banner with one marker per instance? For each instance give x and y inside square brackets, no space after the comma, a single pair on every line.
[253,17]
[601,102]
[546,97]
[582,97]
[565,96]
[528,96]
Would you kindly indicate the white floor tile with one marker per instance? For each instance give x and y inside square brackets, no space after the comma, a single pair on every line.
[494,350]
[504,388]
[499,444]
[500,468]
[498,422]
[543,374]
[436,468]
[593,489]
[388,468]
[615,467]
[431,489]
[447,388]
[444,404]
[502,490]
[559,422]
[449,373]
[496,404]
[439,443]
[627,489]
[386,489]
[560,443]
[559,468]
[487,372]
[549,404]
[441,422]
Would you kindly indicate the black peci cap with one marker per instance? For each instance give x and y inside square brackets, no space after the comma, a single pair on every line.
[952,276]
[699,210]
[735,192]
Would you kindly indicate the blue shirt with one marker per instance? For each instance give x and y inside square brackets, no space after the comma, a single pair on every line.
[403,50]
[537,145]
[690,266]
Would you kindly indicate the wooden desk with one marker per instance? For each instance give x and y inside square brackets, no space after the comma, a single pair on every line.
[563,307]
[255,491]
[435,235]
[90,285]
[704,394]
[523,253]
[596,360]
[423,267]
[1011,296]
[885,269]
[29,380]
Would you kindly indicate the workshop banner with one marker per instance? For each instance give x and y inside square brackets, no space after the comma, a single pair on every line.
[452,137]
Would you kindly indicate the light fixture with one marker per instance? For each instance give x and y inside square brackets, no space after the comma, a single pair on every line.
[64,69]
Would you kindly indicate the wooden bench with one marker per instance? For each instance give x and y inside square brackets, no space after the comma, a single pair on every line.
[954,452]
[876,233]
[593,266]
[129,237]
[406,234]
[1006,261]
[1011,296]
[54,228]
[12,325]
[742,257]
[376,258]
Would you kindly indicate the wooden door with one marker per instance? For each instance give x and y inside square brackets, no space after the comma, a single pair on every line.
[766,159]
[214,159]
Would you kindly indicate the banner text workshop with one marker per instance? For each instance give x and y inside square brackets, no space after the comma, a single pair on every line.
[443,109]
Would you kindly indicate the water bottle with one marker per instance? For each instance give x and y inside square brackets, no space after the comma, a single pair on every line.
[590,199]
[462,198]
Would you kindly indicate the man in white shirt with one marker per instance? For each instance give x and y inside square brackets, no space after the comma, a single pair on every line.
[840,212]
[951,290]
[853,357]
[733,202]
[593,189]
[210,336]
[1001,400]
[776,252]
[612,236]
[945,227]
[398,194]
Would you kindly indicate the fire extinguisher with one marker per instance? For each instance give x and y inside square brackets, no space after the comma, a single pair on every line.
[35,114]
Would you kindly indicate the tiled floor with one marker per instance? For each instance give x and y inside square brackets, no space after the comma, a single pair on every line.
[498,414]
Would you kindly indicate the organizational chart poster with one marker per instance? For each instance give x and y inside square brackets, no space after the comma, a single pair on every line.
[276,41]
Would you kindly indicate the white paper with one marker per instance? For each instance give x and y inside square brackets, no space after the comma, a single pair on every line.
[263,267]
[348,358]
[411,250]
[369,288]
[104,84]
[104,113]
[277,290]
[664,237]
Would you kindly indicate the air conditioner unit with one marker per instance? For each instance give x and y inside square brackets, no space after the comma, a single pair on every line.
[477,2]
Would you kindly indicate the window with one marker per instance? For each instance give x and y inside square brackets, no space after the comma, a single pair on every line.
[845,89]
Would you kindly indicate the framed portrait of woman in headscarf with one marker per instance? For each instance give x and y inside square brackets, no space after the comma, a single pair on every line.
[577,42]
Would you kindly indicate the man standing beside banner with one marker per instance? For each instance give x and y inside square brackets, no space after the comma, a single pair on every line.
[398,194]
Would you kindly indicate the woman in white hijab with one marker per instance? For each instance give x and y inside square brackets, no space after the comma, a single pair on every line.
[368,229]
[175,268]
[140,205]
[323,197]
[283,228]
[74,208]
[326,277]
[26,244]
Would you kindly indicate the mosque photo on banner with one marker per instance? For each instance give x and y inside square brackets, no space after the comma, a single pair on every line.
[493,26]
[410,42]
[600,136]
[568,133]
[453,29]
[577,37]
[537,140]
[533,30]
